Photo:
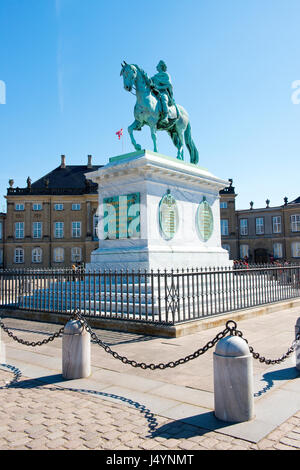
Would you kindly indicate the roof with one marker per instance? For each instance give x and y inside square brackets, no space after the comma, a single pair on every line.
[68,179]
[296,201]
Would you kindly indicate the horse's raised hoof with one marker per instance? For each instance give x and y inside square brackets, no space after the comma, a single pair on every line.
[138,147]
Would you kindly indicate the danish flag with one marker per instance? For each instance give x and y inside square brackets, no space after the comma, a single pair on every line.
[119,133]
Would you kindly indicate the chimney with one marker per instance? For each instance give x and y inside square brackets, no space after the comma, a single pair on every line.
[89,165]
[63,161]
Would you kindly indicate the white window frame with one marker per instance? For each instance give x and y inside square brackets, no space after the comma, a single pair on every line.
[58,254]
[76,254]
[243,226]
[19,255]
[224,227]
[19,230]
[58,206]
[223,205]
[259,227]
[277,250]
[276,224]
[37,206]
[76,229]
[244,251]
[37,232]
[295,223]
[37,255]
[19,206]
[295,249]
[59,228]
[76,206]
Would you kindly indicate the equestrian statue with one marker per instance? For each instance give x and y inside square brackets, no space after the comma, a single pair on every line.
[155,107]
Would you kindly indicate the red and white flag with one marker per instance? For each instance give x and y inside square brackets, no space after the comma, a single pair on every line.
[119,133]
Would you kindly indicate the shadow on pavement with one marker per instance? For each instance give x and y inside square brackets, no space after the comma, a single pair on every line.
[270,378]
[57,378]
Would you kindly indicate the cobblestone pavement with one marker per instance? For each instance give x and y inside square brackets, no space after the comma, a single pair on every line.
[36,415]
[47,417]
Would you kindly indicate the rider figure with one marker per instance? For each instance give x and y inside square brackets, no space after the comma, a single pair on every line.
[162,83]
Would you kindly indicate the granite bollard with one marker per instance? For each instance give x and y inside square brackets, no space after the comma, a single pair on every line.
[233,380]
[76,351]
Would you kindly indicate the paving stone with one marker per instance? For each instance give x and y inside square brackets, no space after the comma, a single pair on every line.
[290,442]
[48,417]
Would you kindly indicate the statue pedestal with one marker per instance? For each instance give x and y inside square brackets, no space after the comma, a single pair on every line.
[157,212]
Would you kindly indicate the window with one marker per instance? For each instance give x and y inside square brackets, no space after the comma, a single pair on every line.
[260,227]
[277,250]
[1,256]
[295,223]
[37,207]
[59,230]
[76,207]
[37,255]
[19,255]
[95,227]
[37,230]
[19,207]
[19,230]
[58,255]
[276,223]
[296,250]
[58,207]
[244,251]
[226,247]
[76,229]
[244,226]
[224,226]
[76,254]
[223,205]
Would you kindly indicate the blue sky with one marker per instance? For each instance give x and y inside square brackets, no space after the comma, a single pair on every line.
[232,64]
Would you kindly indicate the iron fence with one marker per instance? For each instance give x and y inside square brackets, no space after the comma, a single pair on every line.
[158,297]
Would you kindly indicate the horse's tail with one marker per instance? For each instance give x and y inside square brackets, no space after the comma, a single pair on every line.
[194,155]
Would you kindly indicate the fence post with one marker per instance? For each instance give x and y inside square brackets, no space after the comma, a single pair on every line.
[76,351]
[297,349]
[233,380]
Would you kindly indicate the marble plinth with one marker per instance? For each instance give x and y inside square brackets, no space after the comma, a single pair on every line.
[157,212]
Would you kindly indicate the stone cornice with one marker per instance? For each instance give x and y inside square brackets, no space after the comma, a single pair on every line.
[146,164]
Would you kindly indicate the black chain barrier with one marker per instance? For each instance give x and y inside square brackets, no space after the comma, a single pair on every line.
[143,365]
[262,359]
[231,328]
[31,343]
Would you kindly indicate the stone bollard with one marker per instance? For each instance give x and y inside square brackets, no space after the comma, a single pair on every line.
[233,380]
[76,351]
[297,348]
[2,351]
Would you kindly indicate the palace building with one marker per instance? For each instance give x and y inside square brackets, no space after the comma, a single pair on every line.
[51,222]
[260,235]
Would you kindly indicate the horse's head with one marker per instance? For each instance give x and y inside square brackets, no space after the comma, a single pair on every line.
[129,73]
